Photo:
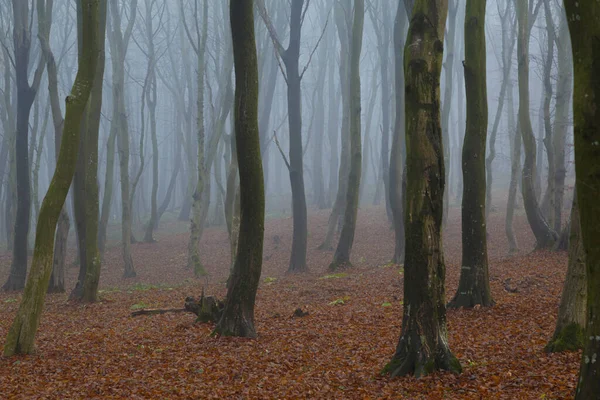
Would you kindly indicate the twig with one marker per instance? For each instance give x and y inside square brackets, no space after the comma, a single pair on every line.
[287,164]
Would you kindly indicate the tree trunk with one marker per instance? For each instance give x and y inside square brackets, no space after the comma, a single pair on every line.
[562,117]
[544,235]
[108,186]
[339,202]
[474,284]
[423,345]
[570,323]
[515,165]
[397,184]
[25,97]
[238,314]
[341,257]
[21,335]
[507,56]
[584,25]
[196,221]
[119,42]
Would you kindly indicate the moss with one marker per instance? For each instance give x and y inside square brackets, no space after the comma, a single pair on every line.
[570,338]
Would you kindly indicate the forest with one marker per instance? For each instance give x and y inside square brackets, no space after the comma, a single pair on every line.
[255,199]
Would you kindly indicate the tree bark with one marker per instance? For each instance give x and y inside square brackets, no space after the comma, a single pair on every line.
[570,323]
[584,25]
[423,344]
[21,335]
[474,285]
[341,257]
[544,235]
[25,96]
[397,184]
[238,314]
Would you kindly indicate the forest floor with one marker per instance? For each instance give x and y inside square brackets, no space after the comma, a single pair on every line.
[337,351]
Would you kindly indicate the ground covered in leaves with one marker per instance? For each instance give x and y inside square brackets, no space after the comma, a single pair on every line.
[336,351]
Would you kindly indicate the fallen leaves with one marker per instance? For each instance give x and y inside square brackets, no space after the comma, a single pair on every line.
[336,351]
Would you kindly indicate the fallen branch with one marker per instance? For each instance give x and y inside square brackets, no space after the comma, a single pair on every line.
[154,311]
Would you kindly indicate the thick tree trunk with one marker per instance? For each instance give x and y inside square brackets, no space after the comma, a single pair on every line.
[21,335]
[423,345]
[474,285]
[584,25]
[570,323]
[341,257]
[238,314]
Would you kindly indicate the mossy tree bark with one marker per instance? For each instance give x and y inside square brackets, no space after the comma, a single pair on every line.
[397,184]
[584,24]
[543,233]
[199,47]
[25,96]
[423,345]
[341,257]
[474,285]
[290,58]
[570,323]
[238,315]
[85,185]
[21,335]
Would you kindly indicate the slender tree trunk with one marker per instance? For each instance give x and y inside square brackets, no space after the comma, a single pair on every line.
[397,184]
[341,257]
[474,285]
[108,186]
[21,335]
[515,166]
[196,221]
[25,97]
[423,344]
[544,235]
[238,315]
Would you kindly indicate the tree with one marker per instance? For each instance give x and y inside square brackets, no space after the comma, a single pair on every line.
[85,186]
[584,25]
[199,46]
[341,257]
[293,78]
[570,323]
[119,43]
[397,185]
[544,235]
[25,96]
[474,285]
[507,50]
[238,315]
[423,344]
[21,335]
[44,10]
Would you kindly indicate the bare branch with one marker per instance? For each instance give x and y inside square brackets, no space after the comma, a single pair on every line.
[316,46]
